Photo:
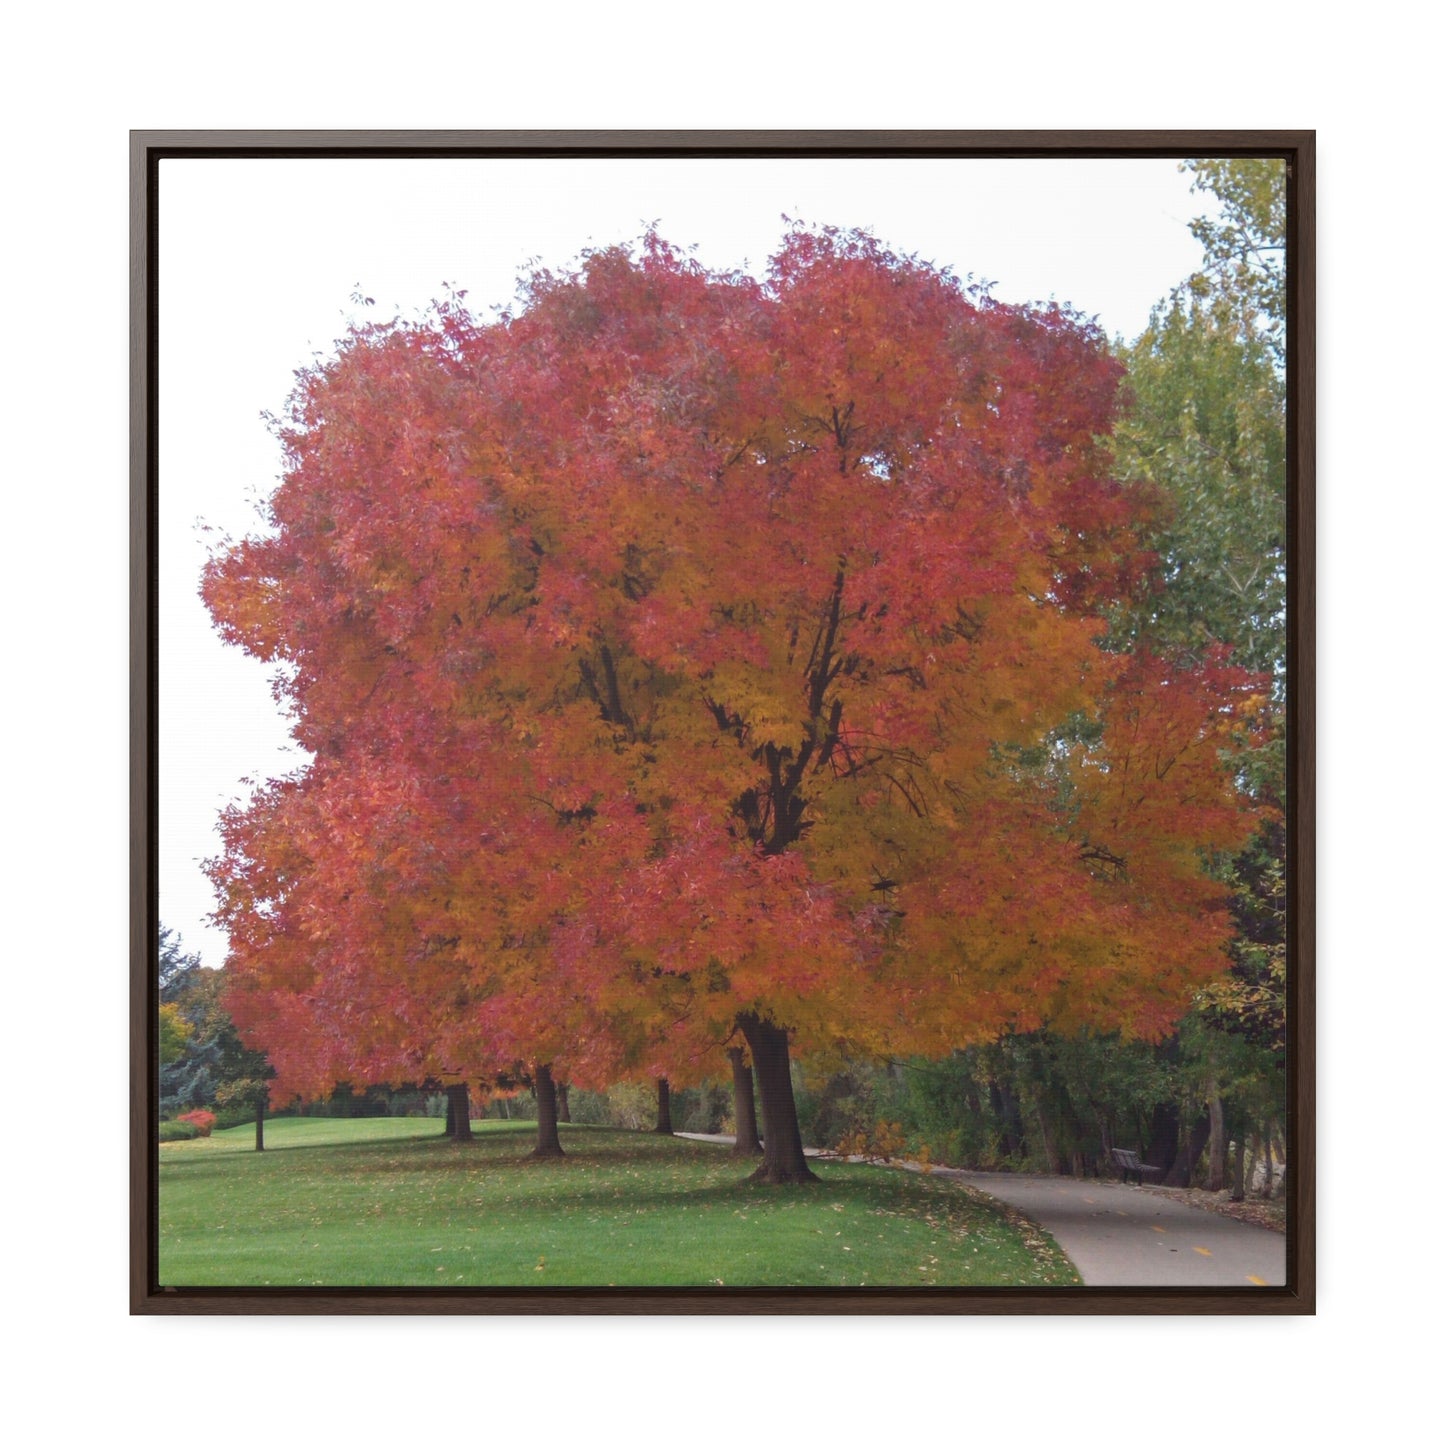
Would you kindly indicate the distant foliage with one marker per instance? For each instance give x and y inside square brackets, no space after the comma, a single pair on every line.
[204,1064]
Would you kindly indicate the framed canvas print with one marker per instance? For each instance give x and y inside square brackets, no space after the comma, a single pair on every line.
[722,722]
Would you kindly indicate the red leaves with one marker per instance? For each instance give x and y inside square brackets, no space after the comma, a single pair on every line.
[685,647]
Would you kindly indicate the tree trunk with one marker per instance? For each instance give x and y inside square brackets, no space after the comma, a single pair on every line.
[1165,1138]
[549,1146]
[783,1159]
[261,1123]
[459,1114]
[1237,1193]
[664,1108]
[745,1117]
[1268,1161]
[1192,1141]
[1218,1140]
[1006,1108]
[1046,1139]
[564,1103]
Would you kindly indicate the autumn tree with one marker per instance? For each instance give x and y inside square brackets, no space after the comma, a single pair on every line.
[697,654]
[1207,425]
[318,963]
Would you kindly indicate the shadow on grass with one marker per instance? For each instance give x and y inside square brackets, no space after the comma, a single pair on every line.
[504,1146]
[595,1171]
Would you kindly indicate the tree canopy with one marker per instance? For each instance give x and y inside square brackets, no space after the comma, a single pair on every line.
[690,652]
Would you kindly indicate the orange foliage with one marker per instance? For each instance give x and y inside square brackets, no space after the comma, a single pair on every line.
[689,646]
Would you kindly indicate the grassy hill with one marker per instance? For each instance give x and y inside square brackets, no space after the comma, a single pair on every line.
[385,1202]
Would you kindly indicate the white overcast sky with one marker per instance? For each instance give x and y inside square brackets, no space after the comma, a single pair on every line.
[259,260]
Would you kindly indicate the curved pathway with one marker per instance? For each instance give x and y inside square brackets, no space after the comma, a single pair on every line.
[1125,1234]
[1129,1235]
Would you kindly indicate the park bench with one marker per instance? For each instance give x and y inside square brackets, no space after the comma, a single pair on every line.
[1127,1162]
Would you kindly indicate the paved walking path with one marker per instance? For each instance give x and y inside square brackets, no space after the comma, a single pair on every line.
[1124,1234]
[1127,1234]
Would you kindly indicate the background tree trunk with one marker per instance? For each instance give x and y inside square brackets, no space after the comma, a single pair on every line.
[459,1114]
[1237,1193]
[1218,1140]
[664,1108]
[745,1117]
[1046,1140]
[1165,1137]
[564,1103]
[261,1123]
[1006,1111]
[1192,1139]
[783,1159]
[549,1146]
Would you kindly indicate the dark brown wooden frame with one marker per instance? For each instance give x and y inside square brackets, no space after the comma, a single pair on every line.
[148,148]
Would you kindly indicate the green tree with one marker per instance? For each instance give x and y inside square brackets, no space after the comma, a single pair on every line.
[1243,275]
[204,1064]
[174,968]
[1208,429]
[174,1032]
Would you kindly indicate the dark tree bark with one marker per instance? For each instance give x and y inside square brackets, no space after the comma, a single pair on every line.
[1164,1138]
[1192,1141]
[1046,1140]
[1006,1111]
[783,1159]
[549,1146]
[664,1108]
[1218,1140]
[564,1103]
[261,1123]
[1237,1193]
[745,1115]
[459,1114]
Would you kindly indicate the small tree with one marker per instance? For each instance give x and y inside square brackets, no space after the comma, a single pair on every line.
[204,1063]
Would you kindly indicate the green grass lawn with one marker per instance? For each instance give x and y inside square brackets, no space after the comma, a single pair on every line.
[377,1202]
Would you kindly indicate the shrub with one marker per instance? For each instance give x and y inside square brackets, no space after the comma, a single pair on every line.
[701,1109]
[885,1140]
[633,1106]
[234,1117]
[173,1129]
[203,1120]
[588,1108]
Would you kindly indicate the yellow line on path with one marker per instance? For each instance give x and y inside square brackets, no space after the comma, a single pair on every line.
[1158,1229]
[1200,1249]
[1254,1279]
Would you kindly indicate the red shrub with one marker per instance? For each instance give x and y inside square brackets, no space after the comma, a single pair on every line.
[203,1119]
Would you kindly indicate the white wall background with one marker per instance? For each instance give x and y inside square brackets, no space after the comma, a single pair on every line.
[77,82]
